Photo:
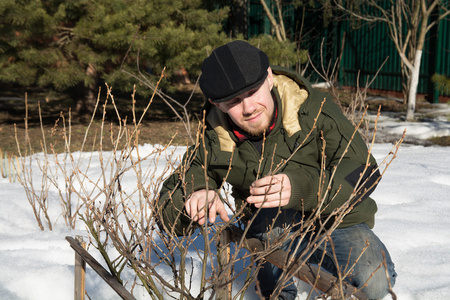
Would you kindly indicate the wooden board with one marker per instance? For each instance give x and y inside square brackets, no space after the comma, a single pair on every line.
[107,277]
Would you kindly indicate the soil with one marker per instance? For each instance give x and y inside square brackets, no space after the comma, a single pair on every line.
[159,125]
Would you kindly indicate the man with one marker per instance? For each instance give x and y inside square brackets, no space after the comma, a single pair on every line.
[258,116]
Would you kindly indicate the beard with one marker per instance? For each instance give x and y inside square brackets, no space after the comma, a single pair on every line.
[256,129]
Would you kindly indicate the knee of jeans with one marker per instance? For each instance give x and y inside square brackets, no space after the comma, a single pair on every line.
[377,283]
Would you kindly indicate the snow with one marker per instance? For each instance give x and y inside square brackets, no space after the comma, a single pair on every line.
[412,221]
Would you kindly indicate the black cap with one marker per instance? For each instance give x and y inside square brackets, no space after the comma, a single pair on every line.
[233,69]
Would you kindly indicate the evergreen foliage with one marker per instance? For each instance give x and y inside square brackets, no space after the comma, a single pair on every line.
[81,43]
[283,54]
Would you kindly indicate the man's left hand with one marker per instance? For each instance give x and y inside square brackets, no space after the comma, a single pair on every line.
[270,191]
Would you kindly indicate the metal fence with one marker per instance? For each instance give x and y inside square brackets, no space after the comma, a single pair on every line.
[365,48]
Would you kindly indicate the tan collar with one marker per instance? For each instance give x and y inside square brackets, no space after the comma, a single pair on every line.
[292,97]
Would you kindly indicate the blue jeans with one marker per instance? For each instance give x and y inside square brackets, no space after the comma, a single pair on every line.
[348,243]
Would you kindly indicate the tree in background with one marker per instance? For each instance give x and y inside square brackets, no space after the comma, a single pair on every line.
[442,83]
[78,44]
[281,51]
[81,44]
[274,11]
[409,23]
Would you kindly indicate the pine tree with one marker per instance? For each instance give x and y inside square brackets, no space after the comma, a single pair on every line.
[82,43]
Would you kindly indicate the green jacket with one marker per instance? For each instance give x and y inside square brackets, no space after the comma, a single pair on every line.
[299,105]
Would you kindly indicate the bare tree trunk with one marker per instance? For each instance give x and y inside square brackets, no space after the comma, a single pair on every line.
[409,41]
[414,82]
[86,104]
[278,27]
[423,29]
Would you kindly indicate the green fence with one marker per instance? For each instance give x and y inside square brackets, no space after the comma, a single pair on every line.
[365,48]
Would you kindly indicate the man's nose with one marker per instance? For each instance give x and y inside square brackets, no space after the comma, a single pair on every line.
[248,106]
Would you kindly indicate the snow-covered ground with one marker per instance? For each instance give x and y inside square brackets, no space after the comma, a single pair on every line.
[413,221]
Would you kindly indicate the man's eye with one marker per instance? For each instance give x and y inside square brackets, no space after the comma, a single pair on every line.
[252,93]
[234,102]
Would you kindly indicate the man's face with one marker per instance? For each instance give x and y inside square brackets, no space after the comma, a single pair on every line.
[252,111]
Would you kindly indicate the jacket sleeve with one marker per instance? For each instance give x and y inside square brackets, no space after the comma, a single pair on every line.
[188,177]
[350,170]
[342,168]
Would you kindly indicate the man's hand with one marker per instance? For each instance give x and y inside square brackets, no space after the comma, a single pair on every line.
[196,207]
[270,191]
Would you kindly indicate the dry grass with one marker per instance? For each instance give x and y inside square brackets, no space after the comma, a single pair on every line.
[442,141]
[151,133]
[158,127]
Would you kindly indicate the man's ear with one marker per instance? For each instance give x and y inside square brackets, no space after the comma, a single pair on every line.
[215,104]
[270,77]
[218,106]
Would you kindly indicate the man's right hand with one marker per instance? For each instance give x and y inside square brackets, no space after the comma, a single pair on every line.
[196,207]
